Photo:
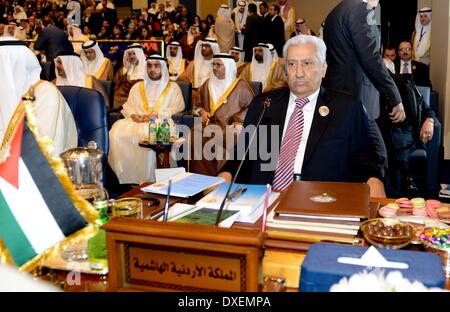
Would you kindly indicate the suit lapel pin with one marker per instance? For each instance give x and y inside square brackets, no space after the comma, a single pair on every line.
[324,111]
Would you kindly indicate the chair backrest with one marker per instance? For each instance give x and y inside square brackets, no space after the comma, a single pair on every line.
[256,87]
[186,90]
[109,87]
[89,111]
[426,92]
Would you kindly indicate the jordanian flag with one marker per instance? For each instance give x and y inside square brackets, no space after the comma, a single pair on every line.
[35,210]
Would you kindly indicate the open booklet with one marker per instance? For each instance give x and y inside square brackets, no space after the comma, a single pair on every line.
[202,215]
[183,213]
[184,184]
[248,197]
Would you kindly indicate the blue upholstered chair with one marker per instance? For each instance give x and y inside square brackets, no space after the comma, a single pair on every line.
[109,88]
[186,90]
[89,111]
[424,160]
[256,87]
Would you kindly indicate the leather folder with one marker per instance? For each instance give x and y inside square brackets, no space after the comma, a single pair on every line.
[306,199]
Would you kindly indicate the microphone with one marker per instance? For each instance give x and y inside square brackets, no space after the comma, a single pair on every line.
[265,104]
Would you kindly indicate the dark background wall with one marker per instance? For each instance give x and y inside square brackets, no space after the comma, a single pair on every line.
[397,21]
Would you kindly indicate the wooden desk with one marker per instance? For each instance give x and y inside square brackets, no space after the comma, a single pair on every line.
[288,248]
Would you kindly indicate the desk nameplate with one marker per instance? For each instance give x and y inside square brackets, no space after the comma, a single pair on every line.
[184,269]
[151,255]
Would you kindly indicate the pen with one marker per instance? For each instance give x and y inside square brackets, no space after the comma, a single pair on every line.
[166,204]
[237,193]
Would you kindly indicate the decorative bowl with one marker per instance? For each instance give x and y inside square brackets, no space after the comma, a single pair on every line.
[388,233]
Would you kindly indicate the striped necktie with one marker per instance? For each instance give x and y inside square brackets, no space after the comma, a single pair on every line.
[289,147]
[405,68]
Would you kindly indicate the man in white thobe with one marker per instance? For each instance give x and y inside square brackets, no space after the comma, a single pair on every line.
[240,14]
[422,36]
[287,13]
[155,97]
[20,70]
[264,69]
[177,64]
[74,12]
[224,28]
[199,70]
[76,37]
[69,71]
[95,63]
[238,56]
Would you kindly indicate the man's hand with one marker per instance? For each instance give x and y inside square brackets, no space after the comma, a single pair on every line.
[426,132]
[139,118]
[376,188]
[226,175]
[205,116]
[398,113]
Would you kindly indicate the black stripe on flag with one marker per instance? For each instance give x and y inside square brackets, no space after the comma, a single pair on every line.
[60,205]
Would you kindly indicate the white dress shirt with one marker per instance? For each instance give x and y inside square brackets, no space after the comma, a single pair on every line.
[308,114]
[402,67]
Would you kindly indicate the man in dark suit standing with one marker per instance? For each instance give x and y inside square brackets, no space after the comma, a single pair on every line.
[276,29]
[324,134]
[52,40]
[356,66]
[264,12]
[407,66]
[252,31]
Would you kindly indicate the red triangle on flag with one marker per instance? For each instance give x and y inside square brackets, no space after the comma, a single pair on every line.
[9,169]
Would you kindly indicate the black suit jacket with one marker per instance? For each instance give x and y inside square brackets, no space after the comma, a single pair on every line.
[276,33]
[338,147]
[252,33]
[354,62]
[53,40]
[420,72]
[265,35]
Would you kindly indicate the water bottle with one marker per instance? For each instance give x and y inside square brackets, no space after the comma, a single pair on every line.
[159,137]
[152,131]
[165,131]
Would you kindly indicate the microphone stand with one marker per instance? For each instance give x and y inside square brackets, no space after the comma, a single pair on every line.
[265,104]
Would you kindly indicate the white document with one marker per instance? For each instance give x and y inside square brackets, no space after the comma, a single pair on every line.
[258,212]
[184,185]
[165,174]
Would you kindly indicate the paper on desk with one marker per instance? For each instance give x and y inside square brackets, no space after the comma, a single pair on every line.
[373,258]
[165,174]
[258,212]
[184,184]
[178,209]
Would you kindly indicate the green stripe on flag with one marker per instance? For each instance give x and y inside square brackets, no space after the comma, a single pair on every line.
[12,235]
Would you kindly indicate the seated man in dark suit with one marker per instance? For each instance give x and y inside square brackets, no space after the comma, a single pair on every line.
[407,66]
[312,133]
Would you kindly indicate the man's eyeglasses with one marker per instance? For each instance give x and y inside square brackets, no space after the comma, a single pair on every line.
[405,50]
